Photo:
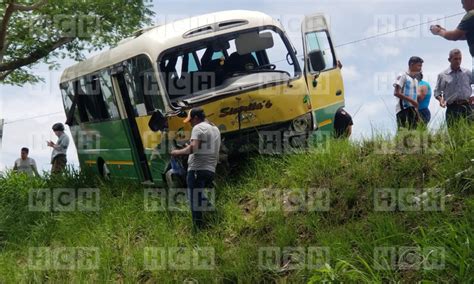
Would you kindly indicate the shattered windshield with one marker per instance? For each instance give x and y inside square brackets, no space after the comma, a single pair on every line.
[216,63]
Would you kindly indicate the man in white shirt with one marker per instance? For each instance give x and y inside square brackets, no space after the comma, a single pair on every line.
[25,164]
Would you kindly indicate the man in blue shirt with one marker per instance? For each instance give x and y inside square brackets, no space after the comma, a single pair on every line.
[424,97]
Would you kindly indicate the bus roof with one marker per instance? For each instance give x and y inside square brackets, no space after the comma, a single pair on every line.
[153,41]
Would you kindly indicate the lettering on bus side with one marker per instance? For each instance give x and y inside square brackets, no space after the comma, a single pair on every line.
[252,106]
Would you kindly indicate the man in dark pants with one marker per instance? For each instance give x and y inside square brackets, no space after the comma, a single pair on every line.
[406,90]
[203,154]
[453,89]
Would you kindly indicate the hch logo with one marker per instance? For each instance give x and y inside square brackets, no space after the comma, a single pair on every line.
[64,199]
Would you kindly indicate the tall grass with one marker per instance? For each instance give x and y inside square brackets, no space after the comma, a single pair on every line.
[245,223]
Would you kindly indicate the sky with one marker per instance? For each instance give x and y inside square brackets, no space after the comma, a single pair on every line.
[369,66]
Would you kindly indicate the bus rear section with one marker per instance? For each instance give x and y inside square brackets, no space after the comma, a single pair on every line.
[104,109]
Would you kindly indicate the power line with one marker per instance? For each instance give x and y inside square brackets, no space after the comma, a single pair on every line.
[33,117]
[387,33]
[398,30]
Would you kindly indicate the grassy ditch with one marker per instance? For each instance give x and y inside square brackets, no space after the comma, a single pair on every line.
[340,212]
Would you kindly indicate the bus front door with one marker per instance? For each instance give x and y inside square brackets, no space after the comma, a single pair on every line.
[128,114]
[324,79]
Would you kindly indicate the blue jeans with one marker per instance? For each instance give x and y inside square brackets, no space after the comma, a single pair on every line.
[197,182]
[425,115]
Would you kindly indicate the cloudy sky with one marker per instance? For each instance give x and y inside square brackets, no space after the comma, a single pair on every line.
[370,66]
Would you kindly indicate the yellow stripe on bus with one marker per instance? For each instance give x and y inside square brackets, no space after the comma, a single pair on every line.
[326,122]
[127,163]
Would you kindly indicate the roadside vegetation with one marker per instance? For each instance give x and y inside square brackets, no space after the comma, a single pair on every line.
[317,216]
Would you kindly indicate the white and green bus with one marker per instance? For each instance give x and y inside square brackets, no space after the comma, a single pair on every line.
[229,63]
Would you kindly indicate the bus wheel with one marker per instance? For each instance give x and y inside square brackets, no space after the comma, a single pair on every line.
[103,169]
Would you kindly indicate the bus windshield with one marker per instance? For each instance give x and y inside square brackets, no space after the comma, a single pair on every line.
[221,63]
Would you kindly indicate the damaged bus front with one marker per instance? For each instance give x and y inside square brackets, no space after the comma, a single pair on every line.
[248,81]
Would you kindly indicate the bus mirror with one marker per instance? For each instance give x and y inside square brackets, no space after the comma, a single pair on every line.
[158,121]
[316,59]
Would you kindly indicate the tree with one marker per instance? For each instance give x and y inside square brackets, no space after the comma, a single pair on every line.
[41,31]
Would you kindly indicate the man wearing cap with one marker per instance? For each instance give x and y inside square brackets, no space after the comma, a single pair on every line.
[203,154]
[406,87]
[58,156]
[453,89]
[465,29]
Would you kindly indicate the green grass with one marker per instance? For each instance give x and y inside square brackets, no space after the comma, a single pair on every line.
[344,241]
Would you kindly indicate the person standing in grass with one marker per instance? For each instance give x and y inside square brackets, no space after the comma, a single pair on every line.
[424,98]
[58,156]
[26,164]
[454,91]
[406,90]
[203,154]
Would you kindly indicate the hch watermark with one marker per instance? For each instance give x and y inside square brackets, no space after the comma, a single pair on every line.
[409,199]
[179,258]
[63,258]
[409,258]
[64,199]
[292,258]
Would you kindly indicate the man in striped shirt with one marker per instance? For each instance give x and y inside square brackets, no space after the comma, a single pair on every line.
[406,86]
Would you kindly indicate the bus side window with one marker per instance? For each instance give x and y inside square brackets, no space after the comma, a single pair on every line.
[90,102]
[108,94]
[81,102]
[99,106]
[151,94]
[67,92]
[143,86]
[320,41]
[93,100]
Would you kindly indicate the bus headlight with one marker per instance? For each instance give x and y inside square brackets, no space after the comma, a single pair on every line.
[303,123]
